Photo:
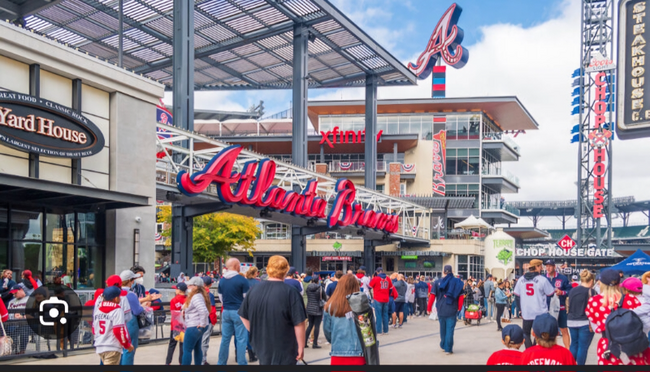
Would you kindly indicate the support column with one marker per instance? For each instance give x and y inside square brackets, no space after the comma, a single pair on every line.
[370,179]
[76,106]
[182,252]
[299,131]
[183,64]
[34,90]
[120,35]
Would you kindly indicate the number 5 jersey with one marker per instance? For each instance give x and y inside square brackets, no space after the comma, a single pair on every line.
[109,328]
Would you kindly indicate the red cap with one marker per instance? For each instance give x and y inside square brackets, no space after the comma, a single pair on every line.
[114,280]
[27,273]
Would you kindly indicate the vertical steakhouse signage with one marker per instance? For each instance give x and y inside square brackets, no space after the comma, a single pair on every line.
[633,105]
[253,187]
[40,126]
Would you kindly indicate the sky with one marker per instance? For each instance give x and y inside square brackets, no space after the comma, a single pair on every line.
[523,48]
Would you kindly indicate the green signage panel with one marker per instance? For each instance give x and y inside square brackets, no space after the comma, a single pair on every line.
[409,257]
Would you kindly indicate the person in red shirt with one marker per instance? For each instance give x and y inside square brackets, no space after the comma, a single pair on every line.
[4,314]
[512,337]
[546,352]
[382,288]
[175,307]
[575,281]
[98,292]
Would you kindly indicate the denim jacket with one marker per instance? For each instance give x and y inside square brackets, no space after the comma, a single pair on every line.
[342,334]
[500,296]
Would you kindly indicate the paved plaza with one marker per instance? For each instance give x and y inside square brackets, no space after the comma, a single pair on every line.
[415,343]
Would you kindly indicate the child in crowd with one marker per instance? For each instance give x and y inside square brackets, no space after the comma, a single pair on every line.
[109,328]
[633,287]
[546,352]
[512,337]
[175,307]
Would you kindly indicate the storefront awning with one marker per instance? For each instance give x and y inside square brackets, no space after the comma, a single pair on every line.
[41,193]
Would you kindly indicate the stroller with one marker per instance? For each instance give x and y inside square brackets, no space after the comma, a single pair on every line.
[473,312]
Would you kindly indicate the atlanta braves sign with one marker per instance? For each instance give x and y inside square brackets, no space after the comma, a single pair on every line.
[254,187]
[444,43]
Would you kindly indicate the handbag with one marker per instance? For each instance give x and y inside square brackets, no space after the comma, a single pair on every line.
[321,303]
[145,319]
[6,342]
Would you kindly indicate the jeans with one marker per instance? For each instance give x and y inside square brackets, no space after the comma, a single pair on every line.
[513,309]
[171,348]
[500,309]
[391,306]
[461,313]
[231,325]
[133,329]
[381,312]
[489,308]
[581,338]
[205,342]
[447,326]
[314,323]
[192,344]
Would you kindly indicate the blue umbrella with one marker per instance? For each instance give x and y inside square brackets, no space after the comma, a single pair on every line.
[637,263]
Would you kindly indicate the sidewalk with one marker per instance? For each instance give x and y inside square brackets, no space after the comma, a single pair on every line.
[417,342]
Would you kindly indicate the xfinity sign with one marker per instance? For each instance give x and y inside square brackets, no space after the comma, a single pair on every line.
[566,242]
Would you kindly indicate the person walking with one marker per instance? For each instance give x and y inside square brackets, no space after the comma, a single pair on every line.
[577,320]
[196,311]
[447,291]
[135,308]
[410,298]
[340,328]
[109,328]
[175,307]
[274,314]
[501,300]
[315,299]
[468,291]
[382,289]
[232,289]
[205,341]
[512,304]
[562,289]
[252,275]
[488,289]
[421,294]
[532,291]
[400,301]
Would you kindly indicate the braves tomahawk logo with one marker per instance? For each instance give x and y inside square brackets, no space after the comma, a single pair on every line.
[444,42]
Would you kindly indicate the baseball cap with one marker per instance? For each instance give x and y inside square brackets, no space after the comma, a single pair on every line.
[114,280]
[550,262]
[488,276]
[447,269]
[128,275]
[379,270]
[180,286]
[610,277]
[633,284]
[362,268]
[545,323]
[207,280]
[111,293]
[292,270]
[195,281]
[17,288]
[575,277]
[515,332]
[27,273]
[535,262]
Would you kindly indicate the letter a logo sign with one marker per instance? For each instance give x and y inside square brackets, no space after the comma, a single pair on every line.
[566,243]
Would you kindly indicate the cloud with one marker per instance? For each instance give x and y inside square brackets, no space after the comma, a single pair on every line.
[535,64]
[218,101]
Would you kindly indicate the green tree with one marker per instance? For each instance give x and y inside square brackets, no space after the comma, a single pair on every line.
[216,234]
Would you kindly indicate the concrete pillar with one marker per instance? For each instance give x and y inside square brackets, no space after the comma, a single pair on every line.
[394,176]
[371,133]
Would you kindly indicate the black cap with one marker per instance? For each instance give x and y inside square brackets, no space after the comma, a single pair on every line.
[292,270]
[610,277]
[362,268]
[379,270]
[545,323]
[515,332]
[550,262]
[207,280]
[181,287]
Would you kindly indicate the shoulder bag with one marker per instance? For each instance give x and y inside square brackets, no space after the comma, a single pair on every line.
[6,342]
[321,303]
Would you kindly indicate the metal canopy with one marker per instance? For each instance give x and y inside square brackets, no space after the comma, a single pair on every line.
[239,44]
[568,207]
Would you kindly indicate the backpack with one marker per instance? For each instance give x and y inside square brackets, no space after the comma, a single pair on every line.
[624,333]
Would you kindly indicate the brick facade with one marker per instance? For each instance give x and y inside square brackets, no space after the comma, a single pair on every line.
[394,169]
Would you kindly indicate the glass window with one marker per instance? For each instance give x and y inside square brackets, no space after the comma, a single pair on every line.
[463,127]
[4,254]
[59,263]
[451,153]
[461,153]
[380,188]
[451,188]
[474,126]
[474,152]
[404,125]
[392,124]
[463,166]
[60,228]
[451,166]
[26,225]
[90,267]
[473,165]
[381,124]
[462,188]
[26,256]
[473,187]
[450,126]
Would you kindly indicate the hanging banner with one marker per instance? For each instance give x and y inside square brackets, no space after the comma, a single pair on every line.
[439,161]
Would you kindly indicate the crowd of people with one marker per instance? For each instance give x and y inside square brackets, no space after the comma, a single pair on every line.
[277,318]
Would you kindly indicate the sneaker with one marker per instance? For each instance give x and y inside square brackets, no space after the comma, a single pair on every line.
[448,352]
[399,326]
[394,325]
[316,346]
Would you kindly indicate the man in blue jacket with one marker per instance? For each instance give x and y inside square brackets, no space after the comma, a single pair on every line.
[562,287]
[447,291]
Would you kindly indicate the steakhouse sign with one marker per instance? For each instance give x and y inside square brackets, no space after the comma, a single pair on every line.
[254,187]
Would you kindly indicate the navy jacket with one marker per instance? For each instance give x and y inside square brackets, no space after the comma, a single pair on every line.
[421,290]
[562,283]
[446,306]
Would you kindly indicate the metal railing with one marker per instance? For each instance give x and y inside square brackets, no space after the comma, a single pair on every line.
[27,343]
[505,174]
[502,137]
[354,166]
[502,206]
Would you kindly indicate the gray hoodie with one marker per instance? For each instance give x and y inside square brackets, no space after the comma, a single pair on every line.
[400,287]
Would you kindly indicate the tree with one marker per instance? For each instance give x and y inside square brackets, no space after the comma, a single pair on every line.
[216,234]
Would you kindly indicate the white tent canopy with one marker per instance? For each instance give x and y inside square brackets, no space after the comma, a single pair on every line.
[473,223]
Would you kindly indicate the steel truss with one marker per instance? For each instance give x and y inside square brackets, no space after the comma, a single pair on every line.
[597,36]
[414,219]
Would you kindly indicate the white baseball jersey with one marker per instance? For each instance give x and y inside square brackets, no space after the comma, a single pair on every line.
[109,328]
[124,305]
[532,296]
